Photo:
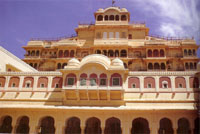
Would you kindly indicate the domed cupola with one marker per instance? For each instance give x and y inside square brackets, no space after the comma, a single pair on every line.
[73,62]
[117,62]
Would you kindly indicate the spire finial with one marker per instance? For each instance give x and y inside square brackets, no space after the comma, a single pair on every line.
[113,2]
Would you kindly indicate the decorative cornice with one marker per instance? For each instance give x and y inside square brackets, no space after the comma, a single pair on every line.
[163,73]
[50,73]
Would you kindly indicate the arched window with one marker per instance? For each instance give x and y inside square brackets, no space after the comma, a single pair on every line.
[195,65]
[60,54]
[83,79]
[117,17]
[47,125]
[117,35]
[93,79]
[31,64]
[28,82]
[115,80]
[113,126]
[149,53]
[149,82]
[6,125]
[191,65]
[150,66]
[123,53]
[63,65]
[165,126]
[155,53]
[183,126]
[180,82]
[186,66]
[194,52]
[57,82]
[105,35]
[42,82]
[156,66]
[189,52]
[103,80]
[162,53]
[66,53]
[59,66]
[111,17]
[133,82]
[72,53]
[98,51]
[111,35]
[105,52]
[164,84]
[33,53]
[106,17]
[110,53]
[23,126]
[140,126]
[14,82]
[116,53]
[73,126]
[99,18]
[123,17]
[70,79]
[93,126]
[37,53]
[163,66]
[185,52]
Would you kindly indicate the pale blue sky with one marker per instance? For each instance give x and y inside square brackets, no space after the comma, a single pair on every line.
[21,20]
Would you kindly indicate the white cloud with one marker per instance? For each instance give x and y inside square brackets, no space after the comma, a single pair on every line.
[178,17]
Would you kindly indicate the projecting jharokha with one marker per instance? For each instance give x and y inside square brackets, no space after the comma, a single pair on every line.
[112,78]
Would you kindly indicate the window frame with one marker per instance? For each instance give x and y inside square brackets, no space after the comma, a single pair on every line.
[100,81]
[81,81]
[163,84]
[113,81]
[68,81]
[149,84]
[56,85]
[28,82]
[13,84]
[133,86]
[41,85]
[179,85]
[95,81]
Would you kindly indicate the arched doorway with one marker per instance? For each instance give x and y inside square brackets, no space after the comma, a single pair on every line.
[183,126]
[197,125]
[113,126]
[93,126]
[165,126]
[47,126]
[6,126]
[73,126]
[23,125]
[140,126]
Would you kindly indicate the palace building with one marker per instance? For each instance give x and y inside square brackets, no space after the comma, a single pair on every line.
[111,78]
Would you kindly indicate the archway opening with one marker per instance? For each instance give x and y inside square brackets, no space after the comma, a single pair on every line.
[47,126]
[73,126]
[113,126]
[140,126]
[23,125]
[6,126]
[165,126]
[93,126]
[183,126]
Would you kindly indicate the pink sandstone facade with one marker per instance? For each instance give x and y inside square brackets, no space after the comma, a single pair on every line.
[111,78]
